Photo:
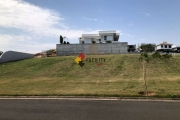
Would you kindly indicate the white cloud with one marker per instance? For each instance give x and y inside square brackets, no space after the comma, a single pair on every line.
[34,20]
[12,39]
[22,43]
[38,28]
[143,39]
[30,18]
[129,35]
[90,19]
[146,14]
[34,25]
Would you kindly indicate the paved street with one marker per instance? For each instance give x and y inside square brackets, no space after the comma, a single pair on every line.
[68,109]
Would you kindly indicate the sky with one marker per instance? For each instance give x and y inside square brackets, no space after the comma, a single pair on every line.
[33,26]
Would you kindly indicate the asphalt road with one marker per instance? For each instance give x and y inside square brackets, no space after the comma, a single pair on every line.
[56,109]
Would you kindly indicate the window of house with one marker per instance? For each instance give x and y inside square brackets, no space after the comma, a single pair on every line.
[96,40]
[161,46]
[88,40]
[105,37]
[165,46]
[130,46]
[110,37]
[169,46]
[93,40]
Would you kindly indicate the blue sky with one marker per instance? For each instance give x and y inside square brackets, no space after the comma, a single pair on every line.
[35,25]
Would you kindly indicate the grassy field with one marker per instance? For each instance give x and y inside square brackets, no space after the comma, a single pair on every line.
[120,75]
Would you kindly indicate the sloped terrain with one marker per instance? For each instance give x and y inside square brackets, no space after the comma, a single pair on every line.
[119,75]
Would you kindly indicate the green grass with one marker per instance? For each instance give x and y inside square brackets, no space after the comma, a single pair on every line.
[121,75]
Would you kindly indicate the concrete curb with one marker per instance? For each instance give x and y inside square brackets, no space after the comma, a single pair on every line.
[93,98]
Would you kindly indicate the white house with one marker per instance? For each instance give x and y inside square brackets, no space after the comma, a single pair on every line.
[176,49]
[164,47]
[102,37]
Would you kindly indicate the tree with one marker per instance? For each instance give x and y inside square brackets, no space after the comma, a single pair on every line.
[61,39]
[64,42]
[65,37]
[68,43]
[145,58]
[147,48]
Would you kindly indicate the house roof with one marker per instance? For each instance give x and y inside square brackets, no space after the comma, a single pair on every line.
[176,46]
[165,43]
[90,35]
[107,32]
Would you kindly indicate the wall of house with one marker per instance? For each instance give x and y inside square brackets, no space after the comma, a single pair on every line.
[106,48]
[13,56]
[163,47]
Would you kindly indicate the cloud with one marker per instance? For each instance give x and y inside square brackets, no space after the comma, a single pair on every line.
[90,19]
[22,15]
[143,39]
[146,14]
[12,39]
[29,27]
[34,20]
[129,35]
[34,24]
[23,43]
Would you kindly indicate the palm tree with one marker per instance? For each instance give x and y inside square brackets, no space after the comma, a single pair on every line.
[65,37]
[62,38]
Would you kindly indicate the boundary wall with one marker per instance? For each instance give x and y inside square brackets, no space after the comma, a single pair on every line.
[13,56]
[97,48]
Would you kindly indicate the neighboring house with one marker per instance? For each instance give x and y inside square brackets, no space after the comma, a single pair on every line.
[131,48]
[102,37]
[91,44]
[176,49]
[164,47]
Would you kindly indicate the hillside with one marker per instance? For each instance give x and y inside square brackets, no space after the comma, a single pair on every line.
[120,75]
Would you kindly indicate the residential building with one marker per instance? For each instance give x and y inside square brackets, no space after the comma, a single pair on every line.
[131,48]
[101,37]
[164,47]
[176,49]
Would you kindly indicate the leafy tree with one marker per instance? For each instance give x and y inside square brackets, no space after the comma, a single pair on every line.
[147,48]
[68,43]
[64,42]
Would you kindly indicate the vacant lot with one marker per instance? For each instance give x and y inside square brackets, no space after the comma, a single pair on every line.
[120,75]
